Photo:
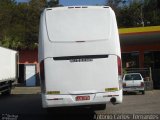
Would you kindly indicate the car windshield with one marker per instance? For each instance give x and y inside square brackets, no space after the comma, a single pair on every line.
[132,77]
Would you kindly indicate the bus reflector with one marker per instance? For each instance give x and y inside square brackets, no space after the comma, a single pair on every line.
[53,92]
[55,99]
[111,89]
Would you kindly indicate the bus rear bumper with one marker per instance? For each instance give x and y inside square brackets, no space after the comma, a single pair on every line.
[71,100]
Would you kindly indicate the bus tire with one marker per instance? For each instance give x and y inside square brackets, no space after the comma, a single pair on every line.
[7,92]
[143,92]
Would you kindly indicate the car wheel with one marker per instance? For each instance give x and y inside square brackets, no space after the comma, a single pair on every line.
[8,91]
[125,92]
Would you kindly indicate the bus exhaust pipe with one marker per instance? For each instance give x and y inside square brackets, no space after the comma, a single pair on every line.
[113,100]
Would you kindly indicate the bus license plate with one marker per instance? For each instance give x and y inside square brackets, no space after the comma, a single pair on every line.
[81,98]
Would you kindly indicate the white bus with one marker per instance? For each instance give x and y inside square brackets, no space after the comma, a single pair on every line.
[79,56]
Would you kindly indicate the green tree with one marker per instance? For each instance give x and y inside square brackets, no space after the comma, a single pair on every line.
[32,22]
[136,12]
[53,3]
[19,23]
[151,12]
[8,25]
[115,5]
[131,15]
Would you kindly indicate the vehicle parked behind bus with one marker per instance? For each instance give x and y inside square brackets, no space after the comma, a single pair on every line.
[133,82]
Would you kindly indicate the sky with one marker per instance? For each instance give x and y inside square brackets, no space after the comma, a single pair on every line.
[76,2]
[81,2]
[21,0]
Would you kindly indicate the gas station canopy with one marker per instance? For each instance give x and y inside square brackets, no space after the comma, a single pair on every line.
[140,35]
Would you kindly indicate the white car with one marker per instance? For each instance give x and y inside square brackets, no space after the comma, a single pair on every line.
[133,82]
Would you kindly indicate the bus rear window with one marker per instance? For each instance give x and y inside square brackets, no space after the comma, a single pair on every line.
[78,25]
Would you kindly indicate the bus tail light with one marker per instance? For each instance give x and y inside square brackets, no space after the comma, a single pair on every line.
[119,63]
[42,74]
[42,77]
